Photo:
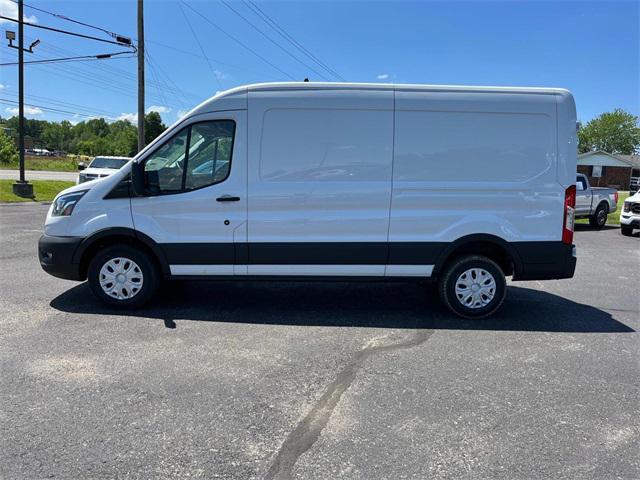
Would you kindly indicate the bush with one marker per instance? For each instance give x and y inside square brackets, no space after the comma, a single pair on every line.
[8,151]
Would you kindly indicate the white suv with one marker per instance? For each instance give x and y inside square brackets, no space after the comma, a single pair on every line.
[100,167]
[630,214]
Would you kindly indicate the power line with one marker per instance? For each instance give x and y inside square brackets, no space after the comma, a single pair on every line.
[173,88]
[219,62]
[48,109]
[64,17]
[67,32]
[102,56]
[121,74]
[62,103]
[257,29]
[239,42]
[88,79]
[283,33]
[154,75]
[213,72]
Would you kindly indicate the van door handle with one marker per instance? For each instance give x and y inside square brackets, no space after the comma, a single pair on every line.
[228,198]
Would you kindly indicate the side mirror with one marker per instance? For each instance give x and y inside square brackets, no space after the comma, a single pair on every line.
[137,178]
[81,166]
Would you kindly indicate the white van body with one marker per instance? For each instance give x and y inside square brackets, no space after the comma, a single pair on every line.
[344,180]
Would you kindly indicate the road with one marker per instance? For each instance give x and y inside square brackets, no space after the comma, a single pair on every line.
[311,380]
[39,175]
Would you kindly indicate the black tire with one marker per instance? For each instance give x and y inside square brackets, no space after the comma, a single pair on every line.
[599,219]
[146,272]
[626,230]
[451,274]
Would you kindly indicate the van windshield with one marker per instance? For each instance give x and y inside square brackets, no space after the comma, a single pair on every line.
[103,162]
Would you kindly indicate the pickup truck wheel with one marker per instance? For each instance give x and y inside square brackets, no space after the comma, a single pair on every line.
[599,219]
[123,276]
[626,231]
[473,287]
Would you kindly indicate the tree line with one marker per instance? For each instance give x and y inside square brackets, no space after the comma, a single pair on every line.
[91,137]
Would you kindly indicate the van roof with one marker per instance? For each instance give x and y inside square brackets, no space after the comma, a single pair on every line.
[387,86]
[233,93]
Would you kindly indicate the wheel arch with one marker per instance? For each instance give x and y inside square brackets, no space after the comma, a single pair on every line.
[491,246]
[603,203]
[111,236]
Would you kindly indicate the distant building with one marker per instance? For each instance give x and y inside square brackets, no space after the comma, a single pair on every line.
[610,170]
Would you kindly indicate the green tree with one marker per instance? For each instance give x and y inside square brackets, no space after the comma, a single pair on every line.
[153,126]
[612,132]
[8,151]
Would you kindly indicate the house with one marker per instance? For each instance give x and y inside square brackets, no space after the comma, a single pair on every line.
[609,169]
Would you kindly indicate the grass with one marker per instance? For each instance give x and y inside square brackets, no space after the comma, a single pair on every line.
[612,218]
[44,190]
[53,164]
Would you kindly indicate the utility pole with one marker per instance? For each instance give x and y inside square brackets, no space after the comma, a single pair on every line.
[140,75]
[22,188]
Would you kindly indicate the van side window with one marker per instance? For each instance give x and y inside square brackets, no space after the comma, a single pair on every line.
[196,157]
[209,153]
[163,169]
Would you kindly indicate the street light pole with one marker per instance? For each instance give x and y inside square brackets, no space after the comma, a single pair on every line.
[21,188]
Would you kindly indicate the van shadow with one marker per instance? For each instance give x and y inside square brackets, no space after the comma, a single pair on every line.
[379,305]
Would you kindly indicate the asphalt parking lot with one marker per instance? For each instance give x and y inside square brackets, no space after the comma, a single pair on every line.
[312,380]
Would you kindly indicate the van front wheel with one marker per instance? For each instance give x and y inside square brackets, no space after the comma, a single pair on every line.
[123,276]
[473,287]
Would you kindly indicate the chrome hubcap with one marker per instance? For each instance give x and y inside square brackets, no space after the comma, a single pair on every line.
[475,288]
[121,278]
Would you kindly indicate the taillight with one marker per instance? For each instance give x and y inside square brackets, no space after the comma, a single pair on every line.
[615,198]
[569,213]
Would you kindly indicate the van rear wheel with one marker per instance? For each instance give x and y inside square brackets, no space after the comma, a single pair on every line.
[123,276]
[473,287]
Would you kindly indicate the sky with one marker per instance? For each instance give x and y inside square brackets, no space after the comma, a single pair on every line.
[196,48]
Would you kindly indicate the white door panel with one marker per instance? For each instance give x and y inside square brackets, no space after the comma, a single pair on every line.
[319,170]
[475,163]
[196,216]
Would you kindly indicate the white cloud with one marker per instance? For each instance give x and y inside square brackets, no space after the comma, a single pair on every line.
[132,117]
[158,108]
[2,87]
[220,74]
[27,110]
[10,9]
[383,76]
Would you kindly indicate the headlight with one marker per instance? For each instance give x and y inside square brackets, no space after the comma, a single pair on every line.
[63,205]
[627,206]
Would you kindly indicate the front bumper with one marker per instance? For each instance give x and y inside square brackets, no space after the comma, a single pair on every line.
[630,220]
[56,256]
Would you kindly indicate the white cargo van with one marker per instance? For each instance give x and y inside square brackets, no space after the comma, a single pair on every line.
[463,185]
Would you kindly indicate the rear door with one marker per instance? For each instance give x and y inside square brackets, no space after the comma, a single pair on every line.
[196,202]
[319,181]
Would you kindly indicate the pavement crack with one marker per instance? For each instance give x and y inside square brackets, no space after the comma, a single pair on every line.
[309,428]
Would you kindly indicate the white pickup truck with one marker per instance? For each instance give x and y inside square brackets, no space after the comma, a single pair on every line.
[594,203]
[630,214]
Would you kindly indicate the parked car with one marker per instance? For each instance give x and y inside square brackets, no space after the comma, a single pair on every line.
[459,185]
[630,214]
[100,167]
[594,203]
